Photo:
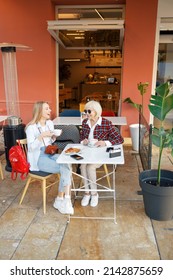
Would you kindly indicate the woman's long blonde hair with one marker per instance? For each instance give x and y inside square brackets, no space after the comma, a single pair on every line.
[37,112]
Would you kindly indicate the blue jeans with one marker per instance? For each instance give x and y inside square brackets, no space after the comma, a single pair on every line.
[47,163]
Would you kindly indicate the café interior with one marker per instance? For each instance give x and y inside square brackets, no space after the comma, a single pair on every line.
[80,53]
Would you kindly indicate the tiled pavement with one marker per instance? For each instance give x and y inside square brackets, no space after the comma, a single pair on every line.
[26,233]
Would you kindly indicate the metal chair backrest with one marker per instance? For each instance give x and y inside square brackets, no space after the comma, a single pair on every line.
[70,135]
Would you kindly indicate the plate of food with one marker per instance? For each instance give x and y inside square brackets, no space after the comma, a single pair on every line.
[72,150]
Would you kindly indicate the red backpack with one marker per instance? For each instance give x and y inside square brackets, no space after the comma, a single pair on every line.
[18,162]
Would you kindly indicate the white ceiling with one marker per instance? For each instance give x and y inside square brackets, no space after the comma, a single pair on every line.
[96,27]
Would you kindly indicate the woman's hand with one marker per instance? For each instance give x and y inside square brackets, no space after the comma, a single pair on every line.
[85,142]
[45,134]
[54,138]
[100,144]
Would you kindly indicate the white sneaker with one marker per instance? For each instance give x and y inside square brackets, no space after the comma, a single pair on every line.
[59,205]
[68,206]
[85,200]
[94,200]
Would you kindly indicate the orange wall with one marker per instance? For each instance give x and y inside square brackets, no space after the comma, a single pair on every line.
[25,22]
[139,42]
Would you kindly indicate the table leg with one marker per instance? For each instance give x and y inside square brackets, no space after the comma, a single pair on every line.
[104,189]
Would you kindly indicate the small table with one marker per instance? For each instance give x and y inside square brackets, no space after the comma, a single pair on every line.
[78,121]
[94,156]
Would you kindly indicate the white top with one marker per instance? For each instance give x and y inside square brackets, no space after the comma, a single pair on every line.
[91,155]
[78,120]
[91,134]
[34,145]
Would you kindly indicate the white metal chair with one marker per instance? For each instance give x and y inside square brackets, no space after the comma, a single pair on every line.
[70,135]
[41,176]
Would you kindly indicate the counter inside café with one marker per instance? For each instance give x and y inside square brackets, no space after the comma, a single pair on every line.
[94,87]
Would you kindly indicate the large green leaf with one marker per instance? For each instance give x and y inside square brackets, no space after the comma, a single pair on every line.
[129,101]
[156,140]
[162,102]
[160,105]
[162,137]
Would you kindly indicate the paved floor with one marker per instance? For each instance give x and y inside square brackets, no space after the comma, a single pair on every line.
[25,233]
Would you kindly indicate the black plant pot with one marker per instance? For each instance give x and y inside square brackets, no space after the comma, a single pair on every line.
[158,200]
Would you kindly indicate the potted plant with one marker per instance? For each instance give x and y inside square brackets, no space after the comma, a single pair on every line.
[157,184]
[134,128]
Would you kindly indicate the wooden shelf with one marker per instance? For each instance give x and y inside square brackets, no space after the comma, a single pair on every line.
[102,66]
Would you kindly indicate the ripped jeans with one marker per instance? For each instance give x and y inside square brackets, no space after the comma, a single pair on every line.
[47,163]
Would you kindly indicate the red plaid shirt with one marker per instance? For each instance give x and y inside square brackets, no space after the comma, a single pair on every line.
[104,132]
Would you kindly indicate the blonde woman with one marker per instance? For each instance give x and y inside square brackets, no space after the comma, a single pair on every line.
[101,129]
[40,133]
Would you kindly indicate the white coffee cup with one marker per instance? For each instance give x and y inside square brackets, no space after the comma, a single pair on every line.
[92,142]
[57,132]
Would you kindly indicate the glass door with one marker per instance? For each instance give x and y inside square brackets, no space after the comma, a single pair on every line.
[165,59]
[165,66]
[89,47]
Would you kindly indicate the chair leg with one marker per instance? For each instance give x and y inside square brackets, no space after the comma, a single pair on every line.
[1,172]
[25,189]
[107,177]
[44,196]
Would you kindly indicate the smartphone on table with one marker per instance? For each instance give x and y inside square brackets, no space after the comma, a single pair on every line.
[77,157]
